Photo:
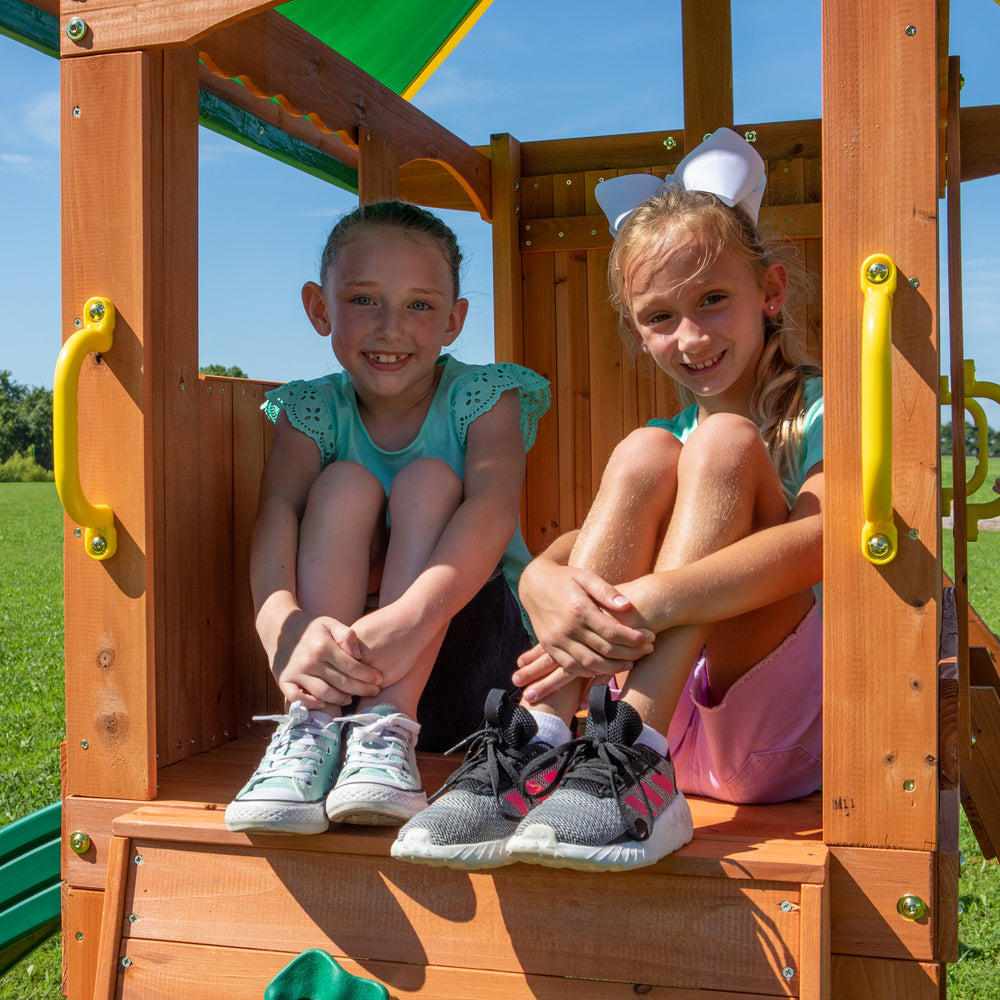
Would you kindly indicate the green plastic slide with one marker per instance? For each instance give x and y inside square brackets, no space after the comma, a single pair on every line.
[29,882]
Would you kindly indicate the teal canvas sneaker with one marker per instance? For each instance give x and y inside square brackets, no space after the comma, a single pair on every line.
[379,783]
[287,793]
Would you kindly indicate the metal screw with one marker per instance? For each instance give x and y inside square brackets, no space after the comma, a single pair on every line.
[126,962]
[77,532]
[786,906]
[909,785]
[79,841]
[914,533]
[568,182]
[79,935]
[133,917]
[78,322]
[97,311]
[76,112]
[788,972]
[76,28]
[914,282]
[138,859]
[972,739]
[878,546]
[670,142]
[750,135]
[912,907]
[878,272]
[98,545]
[84,745]
[911,30]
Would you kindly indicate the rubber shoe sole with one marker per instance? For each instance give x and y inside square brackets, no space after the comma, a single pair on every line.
[263,816]
[373,805]
[416,845]
[537,843]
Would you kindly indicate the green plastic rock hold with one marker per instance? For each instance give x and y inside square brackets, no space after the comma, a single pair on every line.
[315,975]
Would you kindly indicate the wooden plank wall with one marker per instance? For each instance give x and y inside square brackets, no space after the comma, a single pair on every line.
[557,320]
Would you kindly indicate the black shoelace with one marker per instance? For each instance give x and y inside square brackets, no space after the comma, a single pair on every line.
[606,764]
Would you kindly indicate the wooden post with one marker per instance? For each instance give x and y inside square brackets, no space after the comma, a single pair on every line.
[708,68]
[882,623]
[378,168]
[132,118]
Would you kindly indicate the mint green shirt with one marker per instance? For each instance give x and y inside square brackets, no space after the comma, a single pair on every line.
[326,409]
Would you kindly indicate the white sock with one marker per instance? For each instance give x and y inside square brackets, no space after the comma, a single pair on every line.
[653,739]
[551,729]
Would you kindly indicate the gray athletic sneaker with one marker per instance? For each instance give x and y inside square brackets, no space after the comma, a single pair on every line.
[379,783]
[467,824]
[287,792]
[616,805]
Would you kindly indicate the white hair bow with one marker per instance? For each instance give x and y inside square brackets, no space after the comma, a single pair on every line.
[725,164]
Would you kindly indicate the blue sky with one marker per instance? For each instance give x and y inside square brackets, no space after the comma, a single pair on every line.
[263,224]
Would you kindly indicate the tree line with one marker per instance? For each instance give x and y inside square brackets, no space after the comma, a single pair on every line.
[26,426]
[971,440]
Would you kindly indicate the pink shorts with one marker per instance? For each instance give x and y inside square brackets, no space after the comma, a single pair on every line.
[764,741]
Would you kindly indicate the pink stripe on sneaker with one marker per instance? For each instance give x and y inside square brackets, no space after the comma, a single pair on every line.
[517,802]
[637,804]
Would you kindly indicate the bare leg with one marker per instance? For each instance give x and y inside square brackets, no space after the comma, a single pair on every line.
[423,499]
[726,489]
[343,523]
[623,532]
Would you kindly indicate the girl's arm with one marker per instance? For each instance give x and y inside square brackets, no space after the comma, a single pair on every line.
[468,551]
[751,573]
[311,657]
[572,611]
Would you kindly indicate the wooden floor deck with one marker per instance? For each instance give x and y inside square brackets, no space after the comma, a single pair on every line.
[207,912]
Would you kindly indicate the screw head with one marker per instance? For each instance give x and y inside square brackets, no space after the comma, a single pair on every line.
[750,135]
[878,546]
[96,311]
[99,545]
[909,785]
[79,841]
[76,28]
[126,962]
[84,745]
[912,907]
[670,142]
[786,906]
[914,282]
[911,30]
[878,272]
[788,972]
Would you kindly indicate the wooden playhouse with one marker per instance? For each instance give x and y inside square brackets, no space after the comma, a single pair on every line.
[851,893]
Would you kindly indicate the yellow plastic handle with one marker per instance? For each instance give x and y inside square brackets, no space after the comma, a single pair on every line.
[878,282]
[101,540]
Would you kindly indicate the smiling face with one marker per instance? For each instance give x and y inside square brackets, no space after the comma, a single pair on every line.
[388,301]
[703,321]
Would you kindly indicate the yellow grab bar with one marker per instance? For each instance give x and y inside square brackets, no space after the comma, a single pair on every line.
[101,540]
[878,282]
[974,390]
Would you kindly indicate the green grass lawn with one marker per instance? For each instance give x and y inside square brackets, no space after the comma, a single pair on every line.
[31,687]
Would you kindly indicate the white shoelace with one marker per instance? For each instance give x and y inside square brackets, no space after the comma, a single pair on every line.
[296,747]
[379,741]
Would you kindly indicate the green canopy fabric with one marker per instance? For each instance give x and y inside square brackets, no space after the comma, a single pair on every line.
[393,40]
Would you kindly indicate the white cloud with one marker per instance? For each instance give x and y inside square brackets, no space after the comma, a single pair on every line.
[40,117]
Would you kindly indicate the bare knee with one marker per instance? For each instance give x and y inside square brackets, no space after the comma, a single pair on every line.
[644,462]
[346,485]
[427,484]
[724,442]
